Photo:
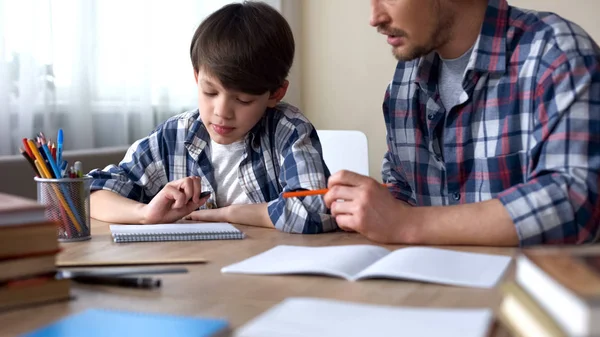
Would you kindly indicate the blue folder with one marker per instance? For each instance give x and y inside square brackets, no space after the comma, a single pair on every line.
[104,323]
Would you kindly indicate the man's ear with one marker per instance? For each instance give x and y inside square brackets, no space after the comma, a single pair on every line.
[277,96]
[196,76]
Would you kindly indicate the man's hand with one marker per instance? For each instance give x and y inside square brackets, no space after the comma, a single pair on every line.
[176,200]
[369,208]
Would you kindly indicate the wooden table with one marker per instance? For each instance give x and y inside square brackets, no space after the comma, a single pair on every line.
[204,291]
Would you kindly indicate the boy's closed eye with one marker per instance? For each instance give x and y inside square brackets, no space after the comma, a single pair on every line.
[245,102]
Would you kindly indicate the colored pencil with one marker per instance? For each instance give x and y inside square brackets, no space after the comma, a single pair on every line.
[30,161]
[46,174]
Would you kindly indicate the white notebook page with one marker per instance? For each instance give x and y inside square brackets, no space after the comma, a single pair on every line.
[341,261]
[295,317]
[440,266]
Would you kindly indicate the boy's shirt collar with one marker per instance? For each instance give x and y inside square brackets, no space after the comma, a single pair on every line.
[197,137]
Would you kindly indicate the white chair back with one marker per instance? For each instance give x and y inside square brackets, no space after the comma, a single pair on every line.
[345,150]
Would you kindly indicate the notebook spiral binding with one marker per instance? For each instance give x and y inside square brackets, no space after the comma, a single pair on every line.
[181,236]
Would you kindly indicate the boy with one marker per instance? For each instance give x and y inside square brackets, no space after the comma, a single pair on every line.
[243,145]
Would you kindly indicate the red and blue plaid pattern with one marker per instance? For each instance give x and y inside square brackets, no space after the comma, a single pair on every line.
[282,154]
[527,131]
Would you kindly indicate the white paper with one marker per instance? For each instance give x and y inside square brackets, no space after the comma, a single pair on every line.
[357,262]
[295,317]
[174,228]
[341,261]
[440,266]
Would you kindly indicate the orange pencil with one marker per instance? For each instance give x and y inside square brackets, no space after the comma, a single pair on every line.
[315,192]
[27,149]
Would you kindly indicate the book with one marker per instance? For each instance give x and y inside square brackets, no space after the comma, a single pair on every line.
[565,284]
[27,265]
[15,210]
[33,291]
[175,232]
[522,315]
[25,239]
[101,323]
[357,262]
[320,317]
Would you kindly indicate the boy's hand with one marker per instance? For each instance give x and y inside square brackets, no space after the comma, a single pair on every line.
[176,200]
[210,215]
[252,215]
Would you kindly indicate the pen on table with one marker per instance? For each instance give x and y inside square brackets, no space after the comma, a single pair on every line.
[130,282]
[119,271]
[315,192]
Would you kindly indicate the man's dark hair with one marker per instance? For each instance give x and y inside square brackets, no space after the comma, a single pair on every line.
[248,47]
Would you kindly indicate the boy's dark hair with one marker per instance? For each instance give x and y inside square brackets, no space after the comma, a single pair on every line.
[248,47]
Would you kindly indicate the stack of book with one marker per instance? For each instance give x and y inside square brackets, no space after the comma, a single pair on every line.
[28,248]
[556,293]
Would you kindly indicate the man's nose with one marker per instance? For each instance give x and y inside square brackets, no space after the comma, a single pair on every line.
[378,14]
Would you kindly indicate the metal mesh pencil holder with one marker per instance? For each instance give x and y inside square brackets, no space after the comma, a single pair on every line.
[67,203]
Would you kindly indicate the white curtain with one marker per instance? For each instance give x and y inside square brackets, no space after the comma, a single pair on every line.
[106,71]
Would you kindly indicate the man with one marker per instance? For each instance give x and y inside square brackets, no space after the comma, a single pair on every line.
[493,130]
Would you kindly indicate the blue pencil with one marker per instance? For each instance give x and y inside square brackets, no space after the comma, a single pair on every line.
[59,146]
[51,161]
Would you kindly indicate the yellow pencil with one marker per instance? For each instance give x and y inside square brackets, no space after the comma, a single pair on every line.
[45,173]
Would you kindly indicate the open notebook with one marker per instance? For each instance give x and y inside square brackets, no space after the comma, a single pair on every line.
[358,262]
[319,317]
[175,232]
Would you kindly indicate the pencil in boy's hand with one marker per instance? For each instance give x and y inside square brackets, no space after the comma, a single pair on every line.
[315,192]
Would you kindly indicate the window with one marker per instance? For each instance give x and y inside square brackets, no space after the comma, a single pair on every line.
[106,71]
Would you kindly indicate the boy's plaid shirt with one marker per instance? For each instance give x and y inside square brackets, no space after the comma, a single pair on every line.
[282,154]
[527,132]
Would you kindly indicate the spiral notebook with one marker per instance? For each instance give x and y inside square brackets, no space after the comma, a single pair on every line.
[175,232]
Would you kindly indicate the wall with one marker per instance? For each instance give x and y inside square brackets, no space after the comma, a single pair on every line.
[291,10]
[346,64]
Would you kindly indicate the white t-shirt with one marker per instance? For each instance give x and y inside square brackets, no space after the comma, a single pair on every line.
[225,160]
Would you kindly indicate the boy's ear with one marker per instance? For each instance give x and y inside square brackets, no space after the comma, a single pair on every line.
[278,94]
[196,76]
